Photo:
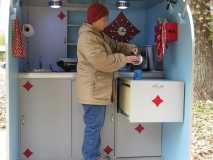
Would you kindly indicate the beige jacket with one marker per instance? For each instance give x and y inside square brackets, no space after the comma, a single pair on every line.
[98,57]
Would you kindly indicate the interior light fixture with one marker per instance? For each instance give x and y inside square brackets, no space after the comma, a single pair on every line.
[55,3]
[122,4]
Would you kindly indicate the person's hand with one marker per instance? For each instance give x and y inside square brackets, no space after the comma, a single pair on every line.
[133,59]
[135,50]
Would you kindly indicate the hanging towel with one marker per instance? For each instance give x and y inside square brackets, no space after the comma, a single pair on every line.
[18,47]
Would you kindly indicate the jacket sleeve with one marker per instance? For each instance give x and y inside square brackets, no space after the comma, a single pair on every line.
[94,51]
[124,48]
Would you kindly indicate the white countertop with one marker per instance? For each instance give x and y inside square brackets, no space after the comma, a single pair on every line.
[56,75]
[72,75]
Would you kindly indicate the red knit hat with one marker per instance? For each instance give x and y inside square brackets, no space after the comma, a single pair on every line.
[95,12]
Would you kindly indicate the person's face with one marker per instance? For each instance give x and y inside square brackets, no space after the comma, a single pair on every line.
[101,23]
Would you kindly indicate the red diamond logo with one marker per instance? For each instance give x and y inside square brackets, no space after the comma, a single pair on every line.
[27,153]
[139,128]
[61,15]
[108,149]
[157,100]
[27,86]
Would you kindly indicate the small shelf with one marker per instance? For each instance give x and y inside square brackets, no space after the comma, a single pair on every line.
[74,21]
[71,44]
[75,17]
[73,25]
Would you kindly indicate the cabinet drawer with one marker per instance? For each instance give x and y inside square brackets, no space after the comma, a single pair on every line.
[152,100]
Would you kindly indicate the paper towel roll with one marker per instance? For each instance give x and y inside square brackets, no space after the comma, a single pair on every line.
[28,30]
[140,61]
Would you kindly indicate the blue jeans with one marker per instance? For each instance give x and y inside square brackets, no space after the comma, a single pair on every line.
[94,117]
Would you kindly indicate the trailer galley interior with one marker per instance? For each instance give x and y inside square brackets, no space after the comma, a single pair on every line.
[150,119]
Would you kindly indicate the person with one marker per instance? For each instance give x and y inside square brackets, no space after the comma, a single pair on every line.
[98,57]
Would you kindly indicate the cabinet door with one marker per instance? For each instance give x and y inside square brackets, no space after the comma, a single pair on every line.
[137,139]
[107,146]
[146,158]
[107,134]
[77,125]
[45,119]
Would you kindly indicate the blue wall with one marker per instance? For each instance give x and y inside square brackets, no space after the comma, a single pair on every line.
[177,66]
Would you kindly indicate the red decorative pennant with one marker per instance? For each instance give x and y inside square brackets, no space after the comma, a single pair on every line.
[107,149]
[157,100]
[61,15]
[27,153]
[121,29]
[27,86]
[18,46]
[139,128]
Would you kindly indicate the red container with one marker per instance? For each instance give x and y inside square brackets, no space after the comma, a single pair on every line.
[171,32]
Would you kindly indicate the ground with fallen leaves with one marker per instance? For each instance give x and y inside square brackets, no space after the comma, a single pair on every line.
[202,132]
[2,98]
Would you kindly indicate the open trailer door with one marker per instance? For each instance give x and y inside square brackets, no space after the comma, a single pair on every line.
[12,9]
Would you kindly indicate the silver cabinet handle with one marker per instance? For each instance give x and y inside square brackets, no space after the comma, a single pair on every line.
[112,117]
[22,120]
[158,86]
